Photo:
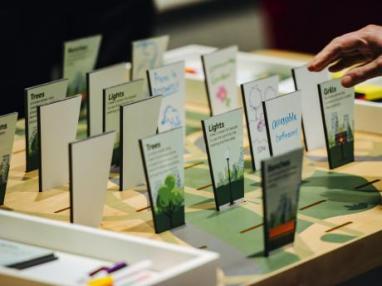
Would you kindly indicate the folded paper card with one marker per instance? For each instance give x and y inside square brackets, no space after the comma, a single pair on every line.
[254,93]
[306,82]
[97,81]
[35,96]
[89,164]
[131,169]
[57,125]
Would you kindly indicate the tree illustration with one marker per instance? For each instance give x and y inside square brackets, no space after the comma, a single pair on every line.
[170,198]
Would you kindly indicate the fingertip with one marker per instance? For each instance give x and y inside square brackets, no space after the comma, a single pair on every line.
[347,81]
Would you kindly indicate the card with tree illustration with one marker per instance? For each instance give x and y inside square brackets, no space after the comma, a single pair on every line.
[163,162]
[223,136]
[220,77]
[337,107]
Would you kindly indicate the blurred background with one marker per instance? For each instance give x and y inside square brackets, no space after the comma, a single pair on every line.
[32,34]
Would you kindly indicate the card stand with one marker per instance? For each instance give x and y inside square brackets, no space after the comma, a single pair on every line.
[173,265]
[57,126]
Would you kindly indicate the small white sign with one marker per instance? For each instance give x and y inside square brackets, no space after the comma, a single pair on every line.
[147,54]
[57,124]
[97,81]
[306,82]
[220,75]
[283,122]
[168,81]
[90,161]
[34,97]
[131,171]
[254,93]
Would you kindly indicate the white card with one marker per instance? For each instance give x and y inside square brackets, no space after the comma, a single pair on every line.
[131,171]
[80,57]
[57,124]
[307,81]
[97,81]
[7,134]
[90,161]
[169,82]
[113,98]
[36,96]
[283,122]
[254,93]
[147,54]
[220,73]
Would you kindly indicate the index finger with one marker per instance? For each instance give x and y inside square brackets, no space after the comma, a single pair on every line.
[334,50]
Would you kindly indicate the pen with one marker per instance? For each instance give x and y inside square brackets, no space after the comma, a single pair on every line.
[120,275]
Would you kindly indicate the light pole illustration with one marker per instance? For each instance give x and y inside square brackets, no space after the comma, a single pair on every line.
[227,155]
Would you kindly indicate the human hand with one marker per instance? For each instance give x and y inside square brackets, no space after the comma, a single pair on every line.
[362,49]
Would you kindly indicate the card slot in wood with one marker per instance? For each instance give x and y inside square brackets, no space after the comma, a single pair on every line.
[338,226]
[252,228]
[312,205]
[193,165]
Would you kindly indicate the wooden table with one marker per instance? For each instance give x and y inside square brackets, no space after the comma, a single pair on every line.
[339,221]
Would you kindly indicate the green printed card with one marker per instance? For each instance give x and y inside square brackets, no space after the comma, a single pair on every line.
[163,162]
[36,96]
[80,57]
[7,134]
[113,98]
[223,135]
[281,180]
[337,107]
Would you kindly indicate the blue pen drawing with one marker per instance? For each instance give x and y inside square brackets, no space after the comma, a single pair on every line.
[171,117]
[149,51]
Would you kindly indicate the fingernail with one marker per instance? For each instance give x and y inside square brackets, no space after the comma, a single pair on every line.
[346,81]
[311,67]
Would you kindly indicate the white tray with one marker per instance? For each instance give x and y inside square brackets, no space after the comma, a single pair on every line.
[79,245]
